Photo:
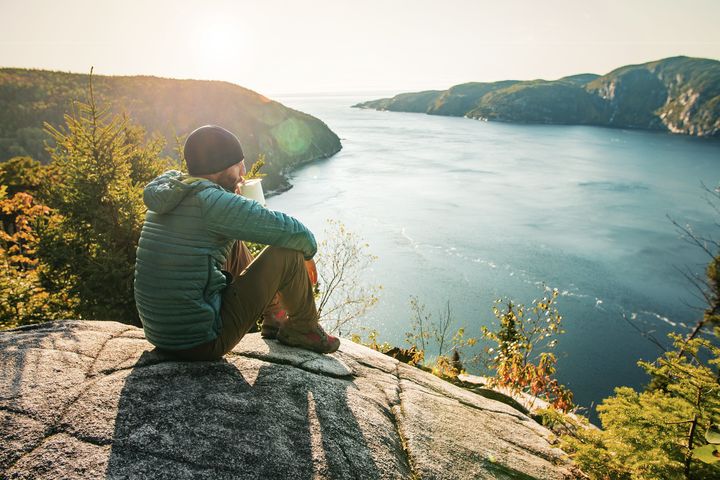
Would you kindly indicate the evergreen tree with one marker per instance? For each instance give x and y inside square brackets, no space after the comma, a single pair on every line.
[653,434]
[22,174]
[87,251]
[665,431]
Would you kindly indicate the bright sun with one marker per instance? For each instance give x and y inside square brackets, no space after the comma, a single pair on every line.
[217,48]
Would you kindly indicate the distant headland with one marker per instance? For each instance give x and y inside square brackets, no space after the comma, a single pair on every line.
[678,95]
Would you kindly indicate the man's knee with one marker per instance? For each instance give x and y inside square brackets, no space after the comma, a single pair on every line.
[285,253]
[282,251]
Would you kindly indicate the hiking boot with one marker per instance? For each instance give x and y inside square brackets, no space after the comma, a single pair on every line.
[272,322]
[269,331]
[311,337]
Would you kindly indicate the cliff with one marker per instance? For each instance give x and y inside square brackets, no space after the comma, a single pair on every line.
[678,95]
[170,107]
[82,399]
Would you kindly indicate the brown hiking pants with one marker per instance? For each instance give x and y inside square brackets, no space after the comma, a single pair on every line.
[254,290]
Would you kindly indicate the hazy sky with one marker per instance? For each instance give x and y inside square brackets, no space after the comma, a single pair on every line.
[283,46]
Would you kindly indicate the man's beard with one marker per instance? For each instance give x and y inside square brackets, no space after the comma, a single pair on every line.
[228,181]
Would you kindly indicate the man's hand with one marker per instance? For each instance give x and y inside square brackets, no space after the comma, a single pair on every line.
[312,270]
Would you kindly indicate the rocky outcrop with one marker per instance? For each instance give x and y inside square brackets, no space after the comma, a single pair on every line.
[82,399]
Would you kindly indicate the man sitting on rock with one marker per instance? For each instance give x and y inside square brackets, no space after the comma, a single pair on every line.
[188,304]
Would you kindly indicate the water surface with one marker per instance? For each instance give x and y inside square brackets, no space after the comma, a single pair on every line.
[469,211]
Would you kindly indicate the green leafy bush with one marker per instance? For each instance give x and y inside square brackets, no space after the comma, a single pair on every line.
[23,299]
[516,360]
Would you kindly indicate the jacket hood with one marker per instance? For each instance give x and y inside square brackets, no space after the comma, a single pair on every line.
[166,191]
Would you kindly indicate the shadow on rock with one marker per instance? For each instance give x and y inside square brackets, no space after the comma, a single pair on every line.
[239,417]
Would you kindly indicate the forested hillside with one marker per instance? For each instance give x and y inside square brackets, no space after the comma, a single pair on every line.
[172,108]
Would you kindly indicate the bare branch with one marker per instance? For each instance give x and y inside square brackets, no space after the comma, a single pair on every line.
[691,237]
[342,261]
[645,334]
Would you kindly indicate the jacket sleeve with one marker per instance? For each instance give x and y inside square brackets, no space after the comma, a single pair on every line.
[235,216]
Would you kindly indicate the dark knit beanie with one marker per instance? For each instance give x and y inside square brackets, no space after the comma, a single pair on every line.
[211,149]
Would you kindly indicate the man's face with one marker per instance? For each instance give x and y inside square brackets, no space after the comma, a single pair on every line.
[232,175]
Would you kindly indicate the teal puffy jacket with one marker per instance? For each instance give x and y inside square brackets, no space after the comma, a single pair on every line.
[189,229]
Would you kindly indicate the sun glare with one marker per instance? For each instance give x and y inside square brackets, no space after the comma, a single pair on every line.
[218,47]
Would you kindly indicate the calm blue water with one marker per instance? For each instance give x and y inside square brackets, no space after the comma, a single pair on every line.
[468,211]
